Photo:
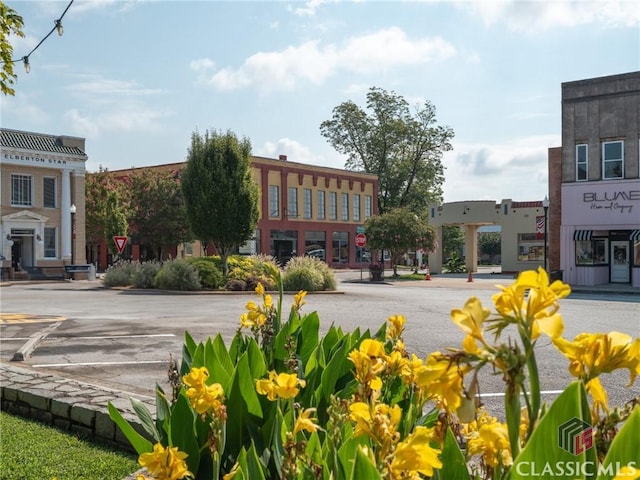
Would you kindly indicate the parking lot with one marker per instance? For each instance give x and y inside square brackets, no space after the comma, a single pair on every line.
[122,338]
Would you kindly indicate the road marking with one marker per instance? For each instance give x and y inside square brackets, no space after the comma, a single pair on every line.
[29,318]
[111,337]
[97,364]
[501,394]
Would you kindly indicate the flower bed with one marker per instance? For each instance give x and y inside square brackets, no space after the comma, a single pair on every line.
[281,401]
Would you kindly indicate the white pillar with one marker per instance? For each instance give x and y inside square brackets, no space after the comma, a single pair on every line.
[65,215]
[471,247]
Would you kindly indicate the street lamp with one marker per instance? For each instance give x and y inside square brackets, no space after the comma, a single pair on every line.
[72,209]
[545,205]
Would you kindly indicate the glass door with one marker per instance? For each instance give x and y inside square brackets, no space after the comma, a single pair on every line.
[620,262]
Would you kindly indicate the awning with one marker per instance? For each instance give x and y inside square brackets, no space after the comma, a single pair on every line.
[582,235]
[635,236]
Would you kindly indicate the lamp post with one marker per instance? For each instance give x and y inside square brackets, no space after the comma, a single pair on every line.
[72,210]
[545,206]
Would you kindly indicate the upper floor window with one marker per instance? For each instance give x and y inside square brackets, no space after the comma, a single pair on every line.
[356,208]
[306,198]
[333,206]
[21,190]
[292,208]
[612,159]
[49,192]
[321,205]
[345,206]
[50,247]
[274,201]
[368,206]
[582,164]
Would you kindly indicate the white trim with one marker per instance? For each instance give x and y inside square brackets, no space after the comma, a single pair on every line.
[586,162]
[621,160]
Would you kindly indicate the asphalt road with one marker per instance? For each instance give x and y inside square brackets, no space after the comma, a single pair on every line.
[122,338]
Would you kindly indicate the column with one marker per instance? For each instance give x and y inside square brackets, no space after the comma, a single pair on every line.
[65,216]
[471,247]
[435,257]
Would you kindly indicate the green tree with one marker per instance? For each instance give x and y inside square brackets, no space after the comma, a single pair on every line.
[402,148]
[10,24]
[158,215]
[398,231]
[452,240]
[489,244]
[220,195]
[115,219]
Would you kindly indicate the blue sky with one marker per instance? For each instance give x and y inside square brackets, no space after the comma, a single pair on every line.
[136,78]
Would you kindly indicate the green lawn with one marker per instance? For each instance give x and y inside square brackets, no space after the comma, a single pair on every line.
[32,451]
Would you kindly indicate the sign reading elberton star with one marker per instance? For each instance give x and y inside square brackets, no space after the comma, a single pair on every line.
[120,241]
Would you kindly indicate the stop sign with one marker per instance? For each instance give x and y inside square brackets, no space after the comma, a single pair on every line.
[361,240]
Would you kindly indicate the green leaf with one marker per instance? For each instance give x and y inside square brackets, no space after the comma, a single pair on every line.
[347,454]
[453,462]
[138,442]
[543,449]
[146,419]
[183,434]
[247,386]
[310,324]
[625,448]
[255,469]
[364,467]
[257,365]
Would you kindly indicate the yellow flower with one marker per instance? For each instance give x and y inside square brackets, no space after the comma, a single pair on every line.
[298,299]
[282,385]
[378,423]
[471,317]
[234,471]
[533,302]
[600,398]
[367,369]
[591,354]
[304,422]
[203,397]
[442,381]
[165,464]
[372,348]
[492,442]
[628,473]
[259,289]
[268,301]
[396,326]
[415,455]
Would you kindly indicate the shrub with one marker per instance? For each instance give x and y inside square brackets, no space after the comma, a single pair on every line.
[234,285]
[144,274]
[119,274]
[210,275]
[267,282]
[177,275]
[308,273]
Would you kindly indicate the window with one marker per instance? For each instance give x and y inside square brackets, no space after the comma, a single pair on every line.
[50,250]
[530,249]
[274,201]
[292,208]
[582,164]
[188,248]
[49,192]
[340,247]
[612,160]
[321,203]
[315,245]
[592,252]
[306,198]
[21,192]
[345,206]
[368,206]
[333,206]
[356,208]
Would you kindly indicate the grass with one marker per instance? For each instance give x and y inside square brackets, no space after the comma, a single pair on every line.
[32,451]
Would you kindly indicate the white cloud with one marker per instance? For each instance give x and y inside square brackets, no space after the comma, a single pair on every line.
[516,170]
[533,16]
[127,118]
[297,152]
[100,87]
[309,7]
[24,108]
[311,62]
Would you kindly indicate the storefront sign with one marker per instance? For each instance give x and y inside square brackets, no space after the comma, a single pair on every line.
[593,203]
[35,159]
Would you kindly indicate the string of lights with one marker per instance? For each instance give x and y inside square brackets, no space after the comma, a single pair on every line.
[57,26]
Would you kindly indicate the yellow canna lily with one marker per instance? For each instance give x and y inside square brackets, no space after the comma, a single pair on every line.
[259,289]
[628,472]
[282,385]
[442,381]
[492,442]
[298,299]
[471,318]
[304,422]
[165,463]
[415,455]
[396,326]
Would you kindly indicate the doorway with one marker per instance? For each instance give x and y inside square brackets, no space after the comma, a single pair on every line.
[620,272]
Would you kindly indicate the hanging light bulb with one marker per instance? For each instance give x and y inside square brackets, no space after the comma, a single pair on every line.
[59,27]
[27,67]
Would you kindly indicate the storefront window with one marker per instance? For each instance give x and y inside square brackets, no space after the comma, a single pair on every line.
[530,249]
[340,247]
[636,254]
[315,245]
[591,252]
[283,245]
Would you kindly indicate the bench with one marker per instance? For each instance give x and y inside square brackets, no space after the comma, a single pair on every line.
[71,269]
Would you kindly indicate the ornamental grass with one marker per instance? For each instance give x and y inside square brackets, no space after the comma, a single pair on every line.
[283,402]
